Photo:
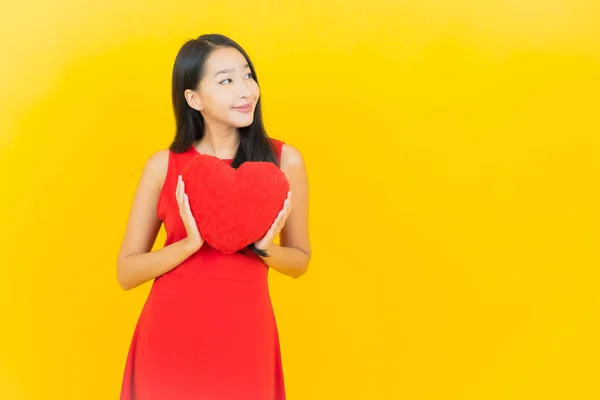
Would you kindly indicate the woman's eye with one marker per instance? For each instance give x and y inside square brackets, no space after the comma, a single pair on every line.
[249,75]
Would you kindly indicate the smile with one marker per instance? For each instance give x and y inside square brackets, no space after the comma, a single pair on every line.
[245,108]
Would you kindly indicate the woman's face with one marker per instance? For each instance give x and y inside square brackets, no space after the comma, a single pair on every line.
[227,93]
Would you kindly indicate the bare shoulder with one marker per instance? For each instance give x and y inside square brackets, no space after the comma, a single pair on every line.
[291,156]
[292,165]
[156,166]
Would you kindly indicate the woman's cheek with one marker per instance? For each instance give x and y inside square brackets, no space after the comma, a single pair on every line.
[255,90]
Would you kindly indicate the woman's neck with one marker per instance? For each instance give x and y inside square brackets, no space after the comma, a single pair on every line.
[222,144]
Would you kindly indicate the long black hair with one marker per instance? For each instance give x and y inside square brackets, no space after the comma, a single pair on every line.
[188,70]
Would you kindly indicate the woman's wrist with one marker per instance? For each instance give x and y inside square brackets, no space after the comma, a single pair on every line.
[189,246]
[268,248]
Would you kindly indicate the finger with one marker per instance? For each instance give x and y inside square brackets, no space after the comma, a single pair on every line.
[277,229]
[182,193]
[271,233]
[178,190]
[278,222]
[180,200]
[188,208]
[284,217]
[287,206]
[191,219]
[274,224]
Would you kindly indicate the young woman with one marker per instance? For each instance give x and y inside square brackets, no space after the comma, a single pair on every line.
[207,329]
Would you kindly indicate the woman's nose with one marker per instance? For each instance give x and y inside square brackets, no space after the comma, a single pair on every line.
[244,91]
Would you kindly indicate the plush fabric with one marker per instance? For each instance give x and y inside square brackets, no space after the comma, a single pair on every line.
[233,207]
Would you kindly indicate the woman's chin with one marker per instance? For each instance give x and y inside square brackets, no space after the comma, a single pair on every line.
[238,123]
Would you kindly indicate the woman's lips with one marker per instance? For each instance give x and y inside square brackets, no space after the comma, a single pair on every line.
[245,109]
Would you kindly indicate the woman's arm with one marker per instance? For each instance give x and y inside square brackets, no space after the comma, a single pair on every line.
[292,256]
[136,263]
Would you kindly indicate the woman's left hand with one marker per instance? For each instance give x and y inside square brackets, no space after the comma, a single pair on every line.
[266,242]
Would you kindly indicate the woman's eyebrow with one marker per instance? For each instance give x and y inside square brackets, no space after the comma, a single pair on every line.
[226,71]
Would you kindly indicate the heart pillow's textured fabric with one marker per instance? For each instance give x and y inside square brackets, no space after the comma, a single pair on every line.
[233,207]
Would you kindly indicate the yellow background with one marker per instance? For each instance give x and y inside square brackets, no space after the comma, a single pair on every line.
[453,154]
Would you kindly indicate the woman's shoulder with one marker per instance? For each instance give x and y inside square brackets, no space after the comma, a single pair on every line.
[159,160]
[157,166]
[291,156]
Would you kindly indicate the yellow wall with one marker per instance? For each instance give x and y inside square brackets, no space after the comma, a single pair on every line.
[453,155]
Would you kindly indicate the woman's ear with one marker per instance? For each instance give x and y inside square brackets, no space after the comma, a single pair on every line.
[193,99]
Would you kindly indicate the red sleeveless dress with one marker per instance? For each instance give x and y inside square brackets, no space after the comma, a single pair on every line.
[207,329]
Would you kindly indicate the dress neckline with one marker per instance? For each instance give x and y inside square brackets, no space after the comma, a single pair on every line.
[195,150]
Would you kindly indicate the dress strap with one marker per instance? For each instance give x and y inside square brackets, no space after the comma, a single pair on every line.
[277,148]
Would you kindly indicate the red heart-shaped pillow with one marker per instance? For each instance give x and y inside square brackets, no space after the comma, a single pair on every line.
[233,207]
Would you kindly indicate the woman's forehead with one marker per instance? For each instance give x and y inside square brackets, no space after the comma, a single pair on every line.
[225,59]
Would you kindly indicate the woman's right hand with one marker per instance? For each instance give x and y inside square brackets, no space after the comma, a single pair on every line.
[193,239]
